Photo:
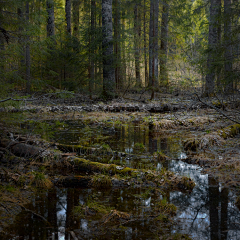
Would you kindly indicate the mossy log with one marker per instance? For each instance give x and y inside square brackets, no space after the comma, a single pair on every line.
[93,150]
[165,179]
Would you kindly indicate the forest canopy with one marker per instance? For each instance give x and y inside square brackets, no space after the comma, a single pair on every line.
[105,47]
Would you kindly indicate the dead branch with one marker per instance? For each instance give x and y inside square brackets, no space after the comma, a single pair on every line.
[217,109]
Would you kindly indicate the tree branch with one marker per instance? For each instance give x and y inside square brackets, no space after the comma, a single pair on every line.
[217,109]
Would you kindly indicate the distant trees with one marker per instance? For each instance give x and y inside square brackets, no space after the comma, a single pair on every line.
[110,46]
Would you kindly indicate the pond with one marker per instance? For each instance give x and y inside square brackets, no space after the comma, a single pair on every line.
[208,212]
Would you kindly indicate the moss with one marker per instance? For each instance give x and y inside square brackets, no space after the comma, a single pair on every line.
[166,208]
[100,167]
[139,146]
[101,181]
[229,131]
[162,218]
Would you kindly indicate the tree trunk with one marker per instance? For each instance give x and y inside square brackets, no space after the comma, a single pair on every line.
[123,50]
[137,34]
[145,44]
[68,16]
[228,47]
[212,45]
[153,45]
[21,42]
[219,33]
[91,51]
[164,45]
[117,47]
[28,56]
[107,48]
[2,48]
[75,6]
[50,20]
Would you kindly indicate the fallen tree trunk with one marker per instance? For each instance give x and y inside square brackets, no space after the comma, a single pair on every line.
[164,179]
[24,150]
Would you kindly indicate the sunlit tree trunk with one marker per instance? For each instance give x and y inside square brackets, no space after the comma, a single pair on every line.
[228,47]
[68,15]
[50,18]
[212,44]
[107,48]
[28,56]
[137,34]
[153,45]
[75,9]
[164,45]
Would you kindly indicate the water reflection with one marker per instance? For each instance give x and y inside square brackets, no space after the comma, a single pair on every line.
[208,212]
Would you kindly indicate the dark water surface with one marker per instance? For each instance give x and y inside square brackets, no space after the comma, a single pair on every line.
[208,212]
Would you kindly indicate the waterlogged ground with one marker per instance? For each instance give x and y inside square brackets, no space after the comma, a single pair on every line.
[208,212]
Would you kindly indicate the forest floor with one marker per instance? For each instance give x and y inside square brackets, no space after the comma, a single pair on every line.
[211,139]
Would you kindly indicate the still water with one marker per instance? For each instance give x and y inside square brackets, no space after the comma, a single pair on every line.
[208,212]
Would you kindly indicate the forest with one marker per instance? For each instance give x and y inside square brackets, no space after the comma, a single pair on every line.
[119,119]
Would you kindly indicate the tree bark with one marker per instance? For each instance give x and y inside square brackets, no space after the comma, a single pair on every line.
[68,16]
[153,45]
[20,42]
[145,44]
[91,50]
[117,47]
[75,6]
[228,47]
[212,45]
[28,56]
[219,34]
[123,50]
[107,48]
[50,20]
[137,35]
[164,45]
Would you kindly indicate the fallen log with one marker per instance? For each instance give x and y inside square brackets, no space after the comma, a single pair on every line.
[164,179]
[24,150]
